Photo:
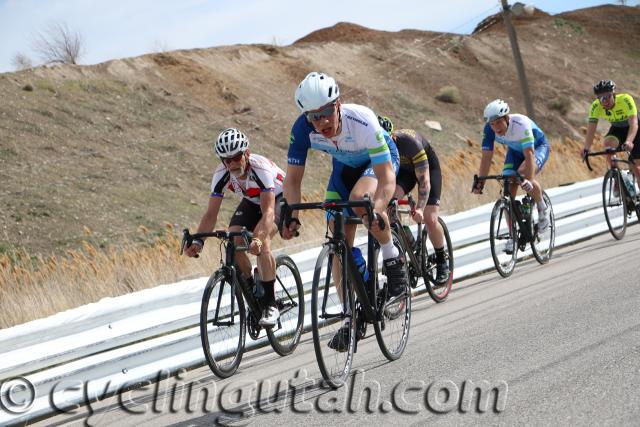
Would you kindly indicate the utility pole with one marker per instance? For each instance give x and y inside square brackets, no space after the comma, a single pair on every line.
[524,86]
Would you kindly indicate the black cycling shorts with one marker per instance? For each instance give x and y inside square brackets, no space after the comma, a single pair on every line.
[406,179]
[248,214]
[620,133]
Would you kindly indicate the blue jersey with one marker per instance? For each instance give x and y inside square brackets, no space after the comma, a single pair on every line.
[361,141]
[522,133]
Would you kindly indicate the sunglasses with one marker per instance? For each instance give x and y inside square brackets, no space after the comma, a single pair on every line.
[603,98]
[327,111]
[236,158]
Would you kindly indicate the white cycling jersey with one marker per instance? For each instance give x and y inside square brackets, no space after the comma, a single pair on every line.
[262,175]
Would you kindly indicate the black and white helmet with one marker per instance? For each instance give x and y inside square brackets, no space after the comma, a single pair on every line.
[231,142]
[495,109]
[604,86]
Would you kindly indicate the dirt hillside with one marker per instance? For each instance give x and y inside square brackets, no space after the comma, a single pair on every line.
[104,149]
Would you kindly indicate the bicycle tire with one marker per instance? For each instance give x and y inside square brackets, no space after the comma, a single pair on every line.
[334,365]
[615,208]
[542,245]
[392,328]
[500,231]
[223,345]
[289,293]
[438,292]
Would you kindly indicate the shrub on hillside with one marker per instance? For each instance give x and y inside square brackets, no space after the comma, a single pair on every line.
[560,104]
[449,94]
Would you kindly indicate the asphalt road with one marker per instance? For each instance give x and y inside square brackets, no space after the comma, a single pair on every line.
[560,344]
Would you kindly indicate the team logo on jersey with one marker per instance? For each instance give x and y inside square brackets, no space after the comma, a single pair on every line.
[379,136]
[526,132]
[292,139]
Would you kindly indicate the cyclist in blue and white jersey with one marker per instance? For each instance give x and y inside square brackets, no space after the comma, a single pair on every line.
[528,151]
[365,161]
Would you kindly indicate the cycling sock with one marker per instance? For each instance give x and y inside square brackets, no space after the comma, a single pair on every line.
[542,206]
[269,297]
[440,255]
[389,250]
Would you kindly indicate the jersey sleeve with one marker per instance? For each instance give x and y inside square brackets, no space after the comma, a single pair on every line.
[299,142]
[264,179]
[629,104]
[411,148]
[219,181]
[374,137]
[594,111]
[527,139]
[488,138]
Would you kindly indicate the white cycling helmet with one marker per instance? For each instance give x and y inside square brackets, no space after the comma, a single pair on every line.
[231,142]
[316,90]
[495,109]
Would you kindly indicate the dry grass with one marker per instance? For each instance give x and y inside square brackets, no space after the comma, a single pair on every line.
[34,287]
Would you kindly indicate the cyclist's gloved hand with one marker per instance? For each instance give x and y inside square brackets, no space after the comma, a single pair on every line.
[526,185]
[290,229]
[585,151]
[477,187]
[628,146]
[417,216]
[194,248]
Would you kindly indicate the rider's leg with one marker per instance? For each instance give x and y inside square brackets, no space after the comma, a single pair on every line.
[436,233]
[367,185]
[242,260]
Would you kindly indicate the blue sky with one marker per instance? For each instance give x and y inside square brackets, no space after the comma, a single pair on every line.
[122,28]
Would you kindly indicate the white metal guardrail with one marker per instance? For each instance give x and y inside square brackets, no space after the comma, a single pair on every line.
[99,349]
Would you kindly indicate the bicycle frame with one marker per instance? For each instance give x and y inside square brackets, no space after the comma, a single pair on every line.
[338,240]
[513,204]
[229,269]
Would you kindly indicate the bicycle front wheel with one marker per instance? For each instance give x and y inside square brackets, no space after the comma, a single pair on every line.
[222,325]
[289,295]
[542,243]
[392,327]
[615,209]
[333,323]
[438,291]
[503,238]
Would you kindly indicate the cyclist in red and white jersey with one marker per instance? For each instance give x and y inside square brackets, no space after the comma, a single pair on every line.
[259,181]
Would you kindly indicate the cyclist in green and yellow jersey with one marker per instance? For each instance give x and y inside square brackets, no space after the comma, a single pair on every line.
[621,111]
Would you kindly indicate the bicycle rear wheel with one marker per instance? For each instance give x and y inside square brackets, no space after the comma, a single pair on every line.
[615,208]
[222,325]
[285,336]
[392,329]
[334,338]
[542,244]
[501,231]
[438,291]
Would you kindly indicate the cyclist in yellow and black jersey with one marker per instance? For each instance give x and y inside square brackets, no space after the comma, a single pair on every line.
[621,111]
[419,165]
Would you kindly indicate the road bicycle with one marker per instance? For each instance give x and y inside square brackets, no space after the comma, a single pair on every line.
[619,192]
[420,262]
[341,300]
[224,320]
[522,231]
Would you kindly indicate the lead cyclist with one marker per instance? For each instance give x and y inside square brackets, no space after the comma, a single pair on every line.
[365,161]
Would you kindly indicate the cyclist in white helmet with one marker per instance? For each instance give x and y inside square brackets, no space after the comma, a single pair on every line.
[528,151]
[259,181]
[365,161]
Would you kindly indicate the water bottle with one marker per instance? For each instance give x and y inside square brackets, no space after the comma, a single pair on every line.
[628,182]
[526,209]
[360,263]
[409,234]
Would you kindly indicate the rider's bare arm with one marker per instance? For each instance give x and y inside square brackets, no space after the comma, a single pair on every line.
[633,129]
[210,217]
[424,186]
[386,186]
[268,207]
[591,132]
[292,185]
[529,170]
